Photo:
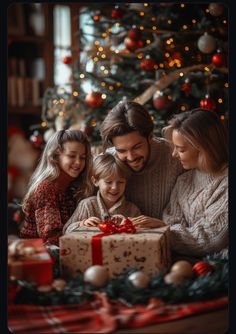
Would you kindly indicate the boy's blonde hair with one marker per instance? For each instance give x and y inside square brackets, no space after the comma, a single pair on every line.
[48,167]
[107,164]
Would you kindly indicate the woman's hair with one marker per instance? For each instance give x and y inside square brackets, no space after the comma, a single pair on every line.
[48,167]
[124,118]
[206,132]
[106,165]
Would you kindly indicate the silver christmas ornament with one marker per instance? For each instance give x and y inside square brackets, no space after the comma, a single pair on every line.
[206,43]
[139,279]
[96,275]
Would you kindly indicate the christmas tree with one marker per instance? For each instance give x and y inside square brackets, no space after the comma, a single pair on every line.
[170,57]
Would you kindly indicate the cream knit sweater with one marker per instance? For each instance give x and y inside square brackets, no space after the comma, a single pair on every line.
[198,213]
[94,206]
[150,189]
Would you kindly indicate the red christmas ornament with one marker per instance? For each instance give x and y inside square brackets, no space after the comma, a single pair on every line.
[186,88]
[132,44]
[219,59]
[36,139]
[94,100]
[117,12]
[208,103]
[161,101]
[17,216]
[67,60]
[135,33]
[148,64]
[88,130]
[202,268]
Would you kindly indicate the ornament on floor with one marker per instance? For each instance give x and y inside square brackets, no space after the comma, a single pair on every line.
[219,59]
[216,9]
[206,43]
[202,268]
[139,279]
[117,12]
[133,45]
[208,103]
[59,284]
[134,33]
[174,278]
[183,268]
[148,64]
[94,100]
[96,275]
[37,139]
[160,101]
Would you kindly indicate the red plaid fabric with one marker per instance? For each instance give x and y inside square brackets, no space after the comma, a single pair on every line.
[101,315]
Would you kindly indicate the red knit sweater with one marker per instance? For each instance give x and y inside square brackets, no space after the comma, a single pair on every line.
[48,209]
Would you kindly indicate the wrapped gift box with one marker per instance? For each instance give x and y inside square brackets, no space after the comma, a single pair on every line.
[147,250]
[29,260]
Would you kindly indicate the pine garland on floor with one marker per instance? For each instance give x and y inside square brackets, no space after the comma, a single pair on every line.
[212,285]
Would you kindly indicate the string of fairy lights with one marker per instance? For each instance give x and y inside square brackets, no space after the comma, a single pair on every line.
[117,42]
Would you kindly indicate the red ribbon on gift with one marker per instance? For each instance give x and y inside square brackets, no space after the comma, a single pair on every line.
[108,228]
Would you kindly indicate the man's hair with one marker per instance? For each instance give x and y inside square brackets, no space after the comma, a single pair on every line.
[124,118]
[205,131]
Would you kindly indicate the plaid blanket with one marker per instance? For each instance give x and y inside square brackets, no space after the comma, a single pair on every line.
[101,315]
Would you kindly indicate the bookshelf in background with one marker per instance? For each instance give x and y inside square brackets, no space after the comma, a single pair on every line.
[30,60]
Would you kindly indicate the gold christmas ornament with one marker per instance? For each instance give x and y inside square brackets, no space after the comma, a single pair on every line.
[174,278]
[58,284]
[183,268]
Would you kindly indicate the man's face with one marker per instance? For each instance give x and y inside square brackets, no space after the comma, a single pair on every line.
[133,149]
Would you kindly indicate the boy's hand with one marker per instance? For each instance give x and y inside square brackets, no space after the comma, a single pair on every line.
[92,221]
[143,222]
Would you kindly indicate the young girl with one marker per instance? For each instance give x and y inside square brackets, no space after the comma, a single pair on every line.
[61,179]
[108,174]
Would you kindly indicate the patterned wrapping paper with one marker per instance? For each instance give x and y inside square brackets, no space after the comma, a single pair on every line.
[35,268]
[147,250]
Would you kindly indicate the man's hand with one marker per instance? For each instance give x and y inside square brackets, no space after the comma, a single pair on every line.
[143,222]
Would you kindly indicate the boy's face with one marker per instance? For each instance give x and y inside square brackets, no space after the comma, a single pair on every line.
[133,149]
[111,189]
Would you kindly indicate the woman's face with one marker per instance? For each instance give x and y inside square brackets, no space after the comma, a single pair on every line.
[184,151]
[72,158]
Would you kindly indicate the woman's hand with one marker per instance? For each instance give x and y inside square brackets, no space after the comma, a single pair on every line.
[90,222]
[144,222]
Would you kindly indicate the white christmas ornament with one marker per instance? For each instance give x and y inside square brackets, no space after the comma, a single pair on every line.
[206,43]
[48,134]
[96,275]
[139,279]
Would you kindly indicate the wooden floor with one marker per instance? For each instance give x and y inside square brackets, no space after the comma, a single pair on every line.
[215,322]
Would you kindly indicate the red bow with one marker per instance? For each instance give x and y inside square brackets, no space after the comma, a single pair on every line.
[111,227]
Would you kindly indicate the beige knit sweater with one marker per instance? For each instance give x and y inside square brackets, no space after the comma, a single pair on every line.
[198,213]
[94,206]
[150,189]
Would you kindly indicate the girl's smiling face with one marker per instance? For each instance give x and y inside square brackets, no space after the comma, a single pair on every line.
[72,158]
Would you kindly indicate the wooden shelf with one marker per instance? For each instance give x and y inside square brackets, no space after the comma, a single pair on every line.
[26,110]
[26,39]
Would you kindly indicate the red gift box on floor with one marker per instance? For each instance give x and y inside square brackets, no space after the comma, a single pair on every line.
[29,260]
